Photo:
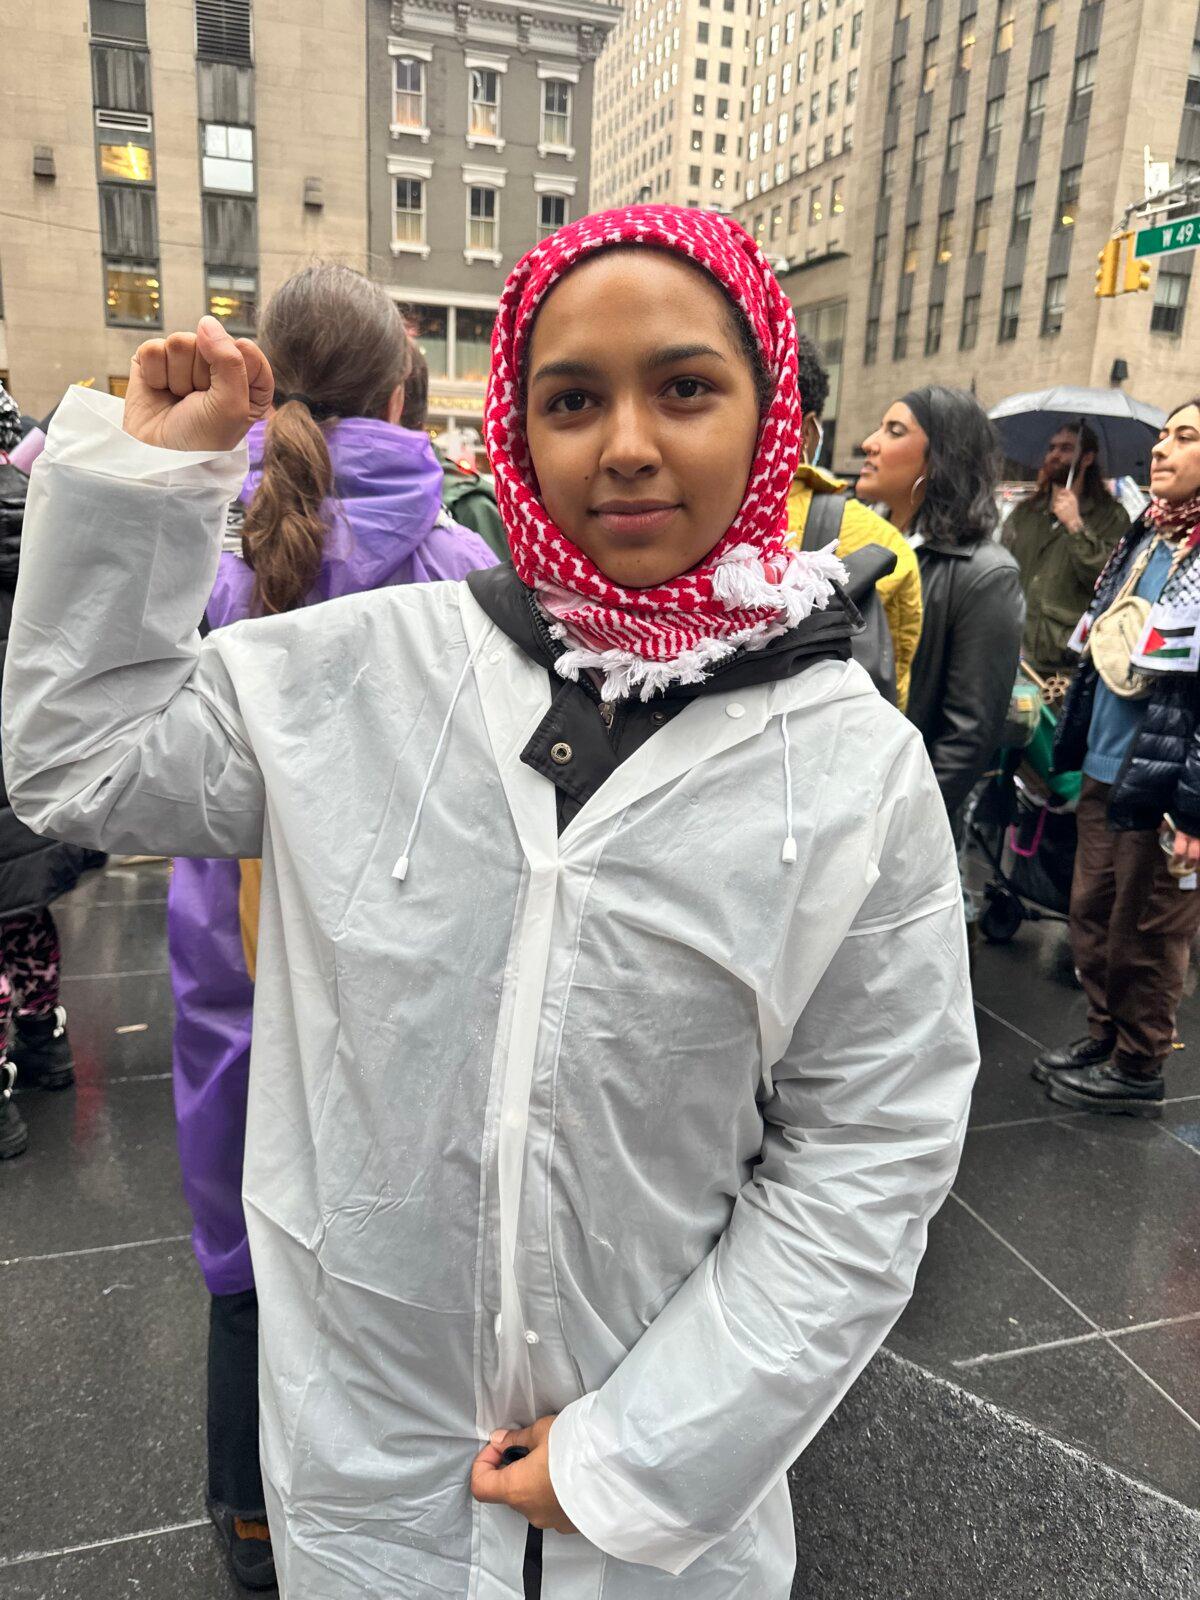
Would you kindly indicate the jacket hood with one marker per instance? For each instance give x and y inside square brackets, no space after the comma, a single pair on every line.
[822,635]
[384,518]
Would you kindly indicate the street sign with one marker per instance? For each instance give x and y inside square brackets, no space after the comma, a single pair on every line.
[1169,237]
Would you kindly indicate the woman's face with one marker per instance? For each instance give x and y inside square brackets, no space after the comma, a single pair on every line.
[896,454]
[641,414]
[1175,459]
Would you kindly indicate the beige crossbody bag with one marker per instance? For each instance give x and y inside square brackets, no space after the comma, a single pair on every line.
[1115,634]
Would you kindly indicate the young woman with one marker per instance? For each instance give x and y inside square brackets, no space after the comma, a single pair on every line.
[339,499]
[619,1043]
[933,463]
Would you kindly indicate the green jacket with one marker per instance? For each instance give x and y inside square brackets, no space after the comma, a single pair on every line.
[1059,572]
[470,498]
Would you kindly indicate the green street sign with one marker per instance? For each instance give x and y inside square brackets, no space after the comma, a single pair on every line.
[1169,237]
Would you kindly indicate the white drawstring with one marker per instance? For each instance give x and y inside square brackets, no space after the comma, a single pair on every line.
[400,870]
[789,844]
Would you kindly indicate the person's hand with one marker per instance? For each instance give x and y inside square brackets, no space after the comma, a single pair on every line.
[1065,504]
[197,391]
[525,1486]
[1186,855]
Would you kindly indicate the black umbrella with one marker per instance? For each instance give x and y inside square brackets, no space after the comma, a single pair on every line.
[1126,428]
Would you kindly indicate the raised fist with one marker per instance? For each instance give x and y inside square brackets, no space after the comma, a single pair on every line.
[197,391]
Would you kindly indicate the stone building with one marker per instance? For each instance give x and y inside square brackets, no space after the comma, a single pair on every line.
[173,159]
[479,122]
[998,143]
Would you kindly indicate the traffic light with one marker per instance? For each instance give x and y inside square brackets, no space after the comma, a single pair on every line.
[1106,273]
[1137,273]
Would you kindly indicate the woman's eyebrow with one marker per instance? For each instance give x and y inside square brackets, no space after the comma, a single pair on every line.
[567,369]
[674,353]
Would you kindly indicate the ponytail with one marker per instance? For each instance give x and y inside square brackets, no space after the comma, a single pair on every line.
[283,537]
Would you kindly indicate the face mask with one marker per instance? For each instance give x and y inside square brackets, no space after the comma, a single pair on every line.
[816,455]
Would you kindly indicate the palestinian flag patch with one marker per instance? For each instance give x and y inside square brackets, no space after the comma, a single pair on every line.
[1170,641]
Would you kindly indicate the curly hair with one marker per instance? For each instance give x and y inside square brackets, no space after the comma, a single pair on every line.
[814,380]
[962,468]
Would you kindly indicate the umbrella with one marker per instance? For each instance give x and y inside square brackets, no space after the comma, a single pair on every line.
[1126,428]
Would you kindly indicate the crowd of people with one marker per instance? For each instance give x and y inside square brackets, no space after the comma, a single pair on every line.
[645,919]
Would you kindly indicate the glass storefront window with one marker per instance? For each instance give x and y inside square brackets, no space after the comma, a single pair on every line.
[428,326]
[233,297]
[133,294]
[132,163]
[473,339]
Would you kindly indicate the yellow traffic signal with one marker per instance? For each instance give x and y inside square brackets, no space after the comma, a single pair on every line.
[1137,273]
[1106,273]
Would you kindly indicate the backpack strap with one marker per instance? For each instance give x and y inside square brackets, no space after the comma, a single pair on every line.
[824,521]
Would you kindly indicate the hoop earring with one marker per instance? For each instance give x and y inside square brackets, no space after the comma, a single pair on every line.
[916,486]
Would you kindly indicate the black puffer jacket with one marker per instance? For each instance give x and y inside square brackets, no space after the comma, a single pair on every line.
[33,870]
[966,662]
[1161,772]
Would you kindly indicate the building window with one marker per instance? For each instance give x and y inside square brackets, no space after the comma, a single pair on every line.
[723,72]
[831,103]
[1047,14]
[483,119]
[895,84]
[1022,214]
[702,33]
[814,108]
[722,110]
[835,49]
[981,224]
[794,205]
[1082,85]
[1170,299]
[556,113]
[933,331]
[966,44]
[133,294]
[1053,305]
[856,27]
[428,327]
[697,139]
[233,297]
[943,249]
[120,79]
[727,39]
[878,257]
[852,86]
[900,337]
[701,68]
[473,344]
[408,93]
[1035,109]
[228,159]
[920,161]
[969,330]
[481,219]
[816,207]
[993,122]
[697,105]
[954,142]
[871,342]
[408,212]
[887,172]
[1005,26]
[127,163]
[908,258]
[552,214]
[1010,314]
[819,55]
[1192,93]
[1068,197]
[693,177]
[929,69]
[718,178]
[119,19]
[837,197]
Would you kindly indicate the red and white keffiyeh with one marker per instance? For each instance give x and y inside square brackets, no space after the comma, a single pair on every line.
[751,587]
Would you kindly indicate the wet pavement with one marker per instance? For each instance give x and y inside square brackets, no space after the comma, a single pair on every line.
[1062,1279]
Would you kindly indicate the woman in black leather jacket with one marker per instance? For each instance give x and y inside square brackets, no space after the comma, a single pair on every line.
[933,462]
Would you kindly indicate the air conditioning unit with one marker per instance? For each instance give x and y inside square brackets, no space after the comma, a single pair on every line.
[125,121]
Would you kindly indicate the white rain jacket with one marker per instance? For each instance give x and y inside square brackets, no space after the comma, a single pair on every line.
[641,1125]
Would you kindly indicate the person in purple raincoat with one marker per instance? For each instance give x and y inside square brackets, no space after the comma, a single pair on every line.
[339,499]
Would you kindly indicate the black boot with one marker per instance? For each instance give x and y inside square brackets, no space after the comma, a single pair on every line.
[41,1051]
[14,1135]
[1108,1091]
[1085,1052]
[248,1545]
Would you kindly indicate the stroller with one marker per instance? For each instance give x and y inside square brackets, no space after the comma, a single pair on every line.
[1023,822]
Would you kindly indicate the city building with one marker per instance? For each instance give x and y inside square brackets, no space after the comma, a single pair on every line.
[670,104]
[999,141]
[799,178]
[174,159]
[479,126]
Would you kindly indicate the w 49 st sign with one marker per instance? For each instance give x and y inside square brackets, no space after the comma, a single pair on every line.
[1171,236]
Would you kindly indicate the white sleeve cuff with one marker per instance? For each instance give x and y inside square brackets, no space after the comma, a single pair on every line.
[87,434]
[608,1511]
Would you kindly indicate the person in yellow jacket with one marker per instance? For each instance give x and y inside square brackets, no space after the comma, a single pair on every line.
[900,591]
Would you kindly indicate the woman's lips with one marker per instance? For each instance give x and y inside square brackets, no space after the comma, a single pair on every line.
[647,520]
